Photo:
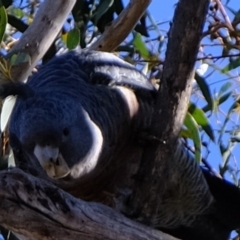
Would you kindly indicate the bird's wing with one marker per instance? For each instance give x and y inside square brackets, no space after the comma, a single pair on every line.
[107,69]
[61,89]
[97,81]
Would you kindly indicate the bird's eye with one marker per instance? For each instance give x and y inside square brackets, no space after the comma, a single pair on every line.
[65,132]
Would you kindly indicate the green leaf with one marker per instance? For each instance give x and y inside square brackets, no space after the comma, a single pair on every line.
[224,88]
[140,45]
[192,126]
[101,9]
[227,151]
[230,111]
[185,133]
[73,38]
[218,102]
[17,12]
[205,91]
[201,120]
[224,98]
[232,65]
[3,21]
[18,58]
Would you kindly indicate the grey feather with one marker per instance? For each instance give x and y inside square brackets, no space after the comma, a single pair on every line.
[88,106]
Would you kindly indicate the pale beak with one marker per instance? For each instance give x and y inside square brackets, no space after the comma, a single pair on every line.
[51,161]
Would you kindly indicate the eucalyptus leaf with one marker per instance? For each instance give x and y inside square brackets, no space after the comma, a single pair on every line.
[3,21]
[225,87]
[140,46]
[101,9]
[192,126]
[199,116]
[232,65]
[205,91]
[73,38]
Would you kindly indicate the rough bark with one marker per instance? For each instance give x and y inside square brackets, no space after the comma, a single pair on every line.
[36,40]
[171,105]
[38,209]
[121,27]
[49,20]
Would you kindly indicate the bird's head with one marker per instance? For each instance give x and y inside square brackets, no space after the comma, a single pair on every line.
[56,129]
[64,140]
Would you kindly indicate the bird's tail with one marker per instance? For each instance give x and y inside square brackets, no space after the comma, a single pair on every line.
[227,201]
[220,220]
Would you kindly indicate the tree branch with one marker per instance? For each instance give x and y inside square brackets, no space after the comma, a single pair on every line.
[26,201]
[51,15]
[43,211]
[171,106]
[36,40]
[22,27]
[121,27]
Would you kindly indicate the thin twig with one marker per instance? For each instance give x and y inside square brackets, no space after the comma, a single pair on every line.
[222,10]
[36,40]
[114,34]
[219,57]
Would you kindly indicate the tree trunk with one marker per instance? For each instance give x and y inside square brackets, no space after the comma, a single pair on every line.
[37,209]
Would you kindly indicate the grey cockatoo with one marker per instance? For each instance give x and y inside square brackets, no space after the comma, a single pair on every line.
[79,118]
[53,129]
